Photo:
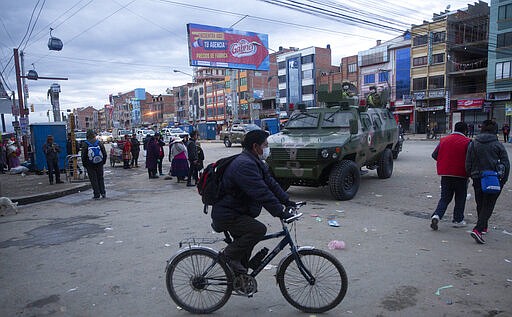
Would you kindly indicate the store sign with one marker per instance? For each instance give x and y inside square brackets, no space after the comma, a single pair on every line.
[468,104]
[508,109]
[498,96]
[420,95]
[436,93]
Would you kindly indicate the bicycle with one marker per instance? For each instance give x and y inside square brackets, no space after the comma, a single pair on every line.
[200,281]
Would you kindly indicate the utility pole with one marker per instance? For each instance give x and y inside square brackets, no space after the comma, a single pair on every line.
[20,101]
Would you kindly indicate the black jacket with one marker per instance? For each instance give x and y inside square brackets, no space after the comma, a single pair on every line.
[484,153]
[192,150]
[248,186]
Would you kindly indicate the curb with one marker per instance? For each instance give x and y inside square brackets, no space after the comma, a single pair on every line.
[25,200]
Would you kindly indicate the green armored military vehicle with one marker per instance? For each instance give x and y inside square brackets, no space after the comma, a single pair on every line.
[330,145]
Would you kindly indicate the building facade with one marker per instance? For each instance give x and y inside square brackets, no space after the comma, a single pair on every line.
[499,73]
[86,118]
[448,70]
[298,72]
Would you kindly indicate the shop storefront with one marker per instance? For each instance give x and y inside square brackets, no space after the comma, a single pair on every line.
[473,111]
[404,114]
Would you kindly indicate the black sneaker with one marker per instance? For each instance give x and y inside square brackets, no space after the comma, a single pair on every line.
[477,236]
[435,221]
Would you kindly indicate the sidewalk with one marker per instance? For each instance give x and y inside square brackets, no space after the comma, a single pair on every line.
[31,188]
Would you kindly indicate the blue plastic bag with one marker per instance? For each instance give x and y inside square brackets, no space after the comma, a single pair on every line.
[490,182]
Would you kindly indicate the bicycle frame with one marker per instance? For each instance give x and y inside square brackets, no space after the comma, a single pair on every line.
[287,240]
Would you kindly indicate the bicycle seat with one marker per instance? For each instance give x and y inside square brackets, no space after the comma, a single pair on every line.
[228,239]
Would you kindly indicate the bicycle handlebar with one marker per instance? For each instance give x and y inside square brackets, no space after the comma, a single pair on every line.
[294,211]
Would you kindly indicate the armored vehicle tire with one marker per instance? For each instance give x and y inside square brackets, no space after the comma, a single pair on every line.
[284,183]
[385,167]
[395,154]
[344,180]
[227,143]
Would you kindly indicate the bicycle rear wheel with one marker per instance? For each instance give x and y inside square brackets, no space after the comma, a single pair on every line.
[198,282]
[330,284]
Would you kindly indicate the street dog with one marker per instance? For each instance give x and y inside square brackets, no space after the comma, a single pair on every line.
[7,206]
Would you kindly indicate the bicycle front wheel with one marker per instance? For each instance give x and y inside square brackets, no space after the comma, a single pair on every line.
[327,291]
[198,282]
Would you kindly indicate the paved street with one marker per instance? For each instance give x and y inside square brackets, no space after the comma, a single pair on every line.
[73,256]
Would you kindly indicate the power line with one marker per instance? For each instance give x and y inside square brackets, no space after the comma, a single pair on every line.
[29,22]
[35,22]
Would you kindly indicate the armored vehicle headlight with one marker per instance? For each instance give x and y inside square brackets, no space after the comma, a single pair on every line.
[325,153]
[334,155]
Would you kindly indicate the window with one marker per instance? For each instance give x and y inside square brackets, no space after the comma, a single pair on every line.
[503,70]
[282,93]
[190,93]
[307,59]
[281,65]
[436,82]
[243,81]
[352,68]
[439,37]
[419,40]
[419,61]
[419,83]
[307,74]
[306,90]
[505,12]
[201,90]
[369,79]
[438,58]
[504,40]
[383,77]
[282,79]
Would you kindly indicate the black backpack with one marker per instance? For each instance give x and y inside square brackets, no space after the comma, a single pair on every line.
[209,184]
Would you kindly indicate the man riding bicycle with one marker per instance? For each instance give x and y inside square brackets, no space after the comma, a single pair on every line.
[247,186]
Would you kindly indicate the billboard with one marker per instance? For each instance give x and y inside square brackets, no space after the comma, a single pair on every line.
[211,46]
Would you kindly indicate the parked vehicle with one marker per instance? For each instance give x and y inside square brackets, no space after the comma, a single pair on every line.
[118,134]
[236,133]
[143,133]
[80,137]
[105,137]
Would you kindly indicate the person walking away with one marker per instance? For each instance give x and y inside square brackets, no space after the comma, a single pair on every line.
[51,151]
[471,130]
[193,159]
[450,155]
[178,156]
[246,187]
[135,151]
[200,157]
[161,154]
[94,156]
[127,152]
[486,153]
[152,152]
[506,131]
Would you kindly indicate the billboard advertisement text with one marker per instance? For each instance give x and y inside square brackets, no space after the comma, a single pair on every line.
[211,46]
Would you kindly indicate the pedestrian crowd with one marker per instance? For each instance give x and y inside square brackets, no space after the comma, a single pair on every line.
[484,159]
[9,154]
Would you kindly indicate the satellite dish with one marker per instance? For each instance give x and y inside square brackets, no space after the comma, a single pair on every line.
[54,44]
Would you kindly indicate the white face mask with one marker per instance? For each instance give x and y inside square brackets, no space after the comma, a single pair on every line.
[266,153]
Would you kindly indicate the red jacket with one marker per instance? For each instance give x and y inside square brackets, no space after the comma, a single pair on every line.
[450,155]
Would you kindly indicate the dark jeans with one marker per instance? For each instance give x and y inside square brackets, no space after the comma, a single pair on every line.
[192,173]
[135,159]
[505,137]
[484,205]
[246,232]
[53,168]
[159,165]
[450,186]
[152,173]
[95,172]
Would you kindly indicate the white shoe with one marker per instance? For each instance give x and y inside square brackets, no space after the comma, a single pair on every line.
[459,224]
[435,221]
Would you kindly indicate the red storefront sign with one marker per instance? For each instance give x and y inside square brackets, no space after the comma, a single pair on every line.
[468,104]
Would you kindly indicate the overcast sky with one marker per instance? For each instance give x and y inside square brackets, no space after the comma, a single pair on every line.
[113,46]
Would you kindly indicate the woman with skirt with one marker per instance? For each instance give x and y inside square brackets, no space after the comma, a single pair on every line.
[179,159]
